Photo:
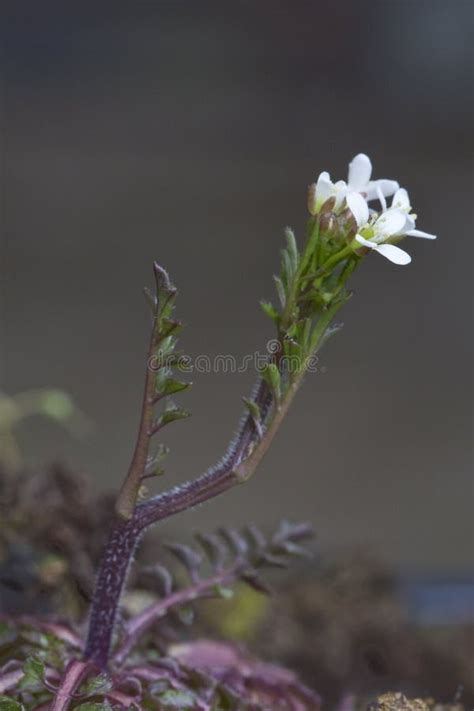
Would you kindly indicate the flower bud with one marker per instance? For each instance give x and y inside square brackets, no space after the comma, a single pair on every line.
[329,225]
[348,225]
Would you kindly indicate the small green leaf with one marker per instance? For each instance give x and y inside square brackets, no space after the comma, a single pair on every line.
[99,684]
[166,347]
[171,414]
[280,290]
[271,375]
[170,326]
[255,414]
[253,408]
[181,362]
[153,464]
[292,361]
[287,267]
[292,248]
[270,311]
[33,673]
[88,706]
[173,386]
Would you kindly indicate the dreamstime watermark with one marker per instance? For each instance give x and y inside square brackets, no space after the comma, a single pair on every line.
[227,363]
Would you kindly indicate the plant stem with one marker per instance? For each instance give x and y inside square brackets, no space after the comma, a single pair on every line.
[247,467]
[309,249]
[73,676]
[238,464]
[118,554]
[125,535]
[335,259]
[128,493]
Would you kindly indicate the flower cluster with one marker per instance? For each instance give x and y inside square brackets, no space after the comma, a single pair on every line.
[377,231]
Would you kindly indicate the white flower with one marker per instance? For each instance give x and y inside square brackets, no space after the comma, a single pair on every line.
[396,221]
[387,225]
[401,201]
[360,171]
[326,189]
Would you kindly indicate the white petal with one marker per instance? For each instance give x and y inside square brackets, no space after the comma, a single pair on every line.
[360,170]
[324,189]
[340,190]
[324,176]
[393,253]
[401,200]
[381,198]
[387,187]
[409,223]
[365,242]
[390,223]
[357,205]
[389,251]
[419,233]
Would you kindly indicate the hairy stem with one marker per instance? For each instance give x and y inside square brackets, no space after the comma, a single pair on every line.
[238,464]
[125,535]
[118,554]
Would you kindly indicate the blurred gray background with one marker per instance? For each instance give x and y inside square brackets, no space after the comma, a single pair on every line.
[187,132]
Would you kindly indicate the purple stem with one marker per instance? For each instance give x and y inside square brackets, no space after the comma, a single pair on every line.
[124,538]
[75,672]
[125,535]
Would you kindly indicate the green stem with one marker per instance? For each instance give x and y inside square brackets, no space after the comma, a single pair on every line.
[335,259]
[246,468]
[310,248]
[305,259]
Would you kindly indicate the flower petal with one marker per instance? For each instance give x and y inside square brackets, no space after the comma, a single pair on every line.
[360,170]
[409,223]
[365,242]
[401,200]
[393,253]
[419,233]
[387,187]
[389,251]
[381,198]
[324,176]
[324,188]
[390,223]
[358,206]
[340,190]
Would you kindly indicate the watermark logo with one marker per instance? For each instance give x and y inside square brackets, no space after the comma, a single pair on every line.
[228,363]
